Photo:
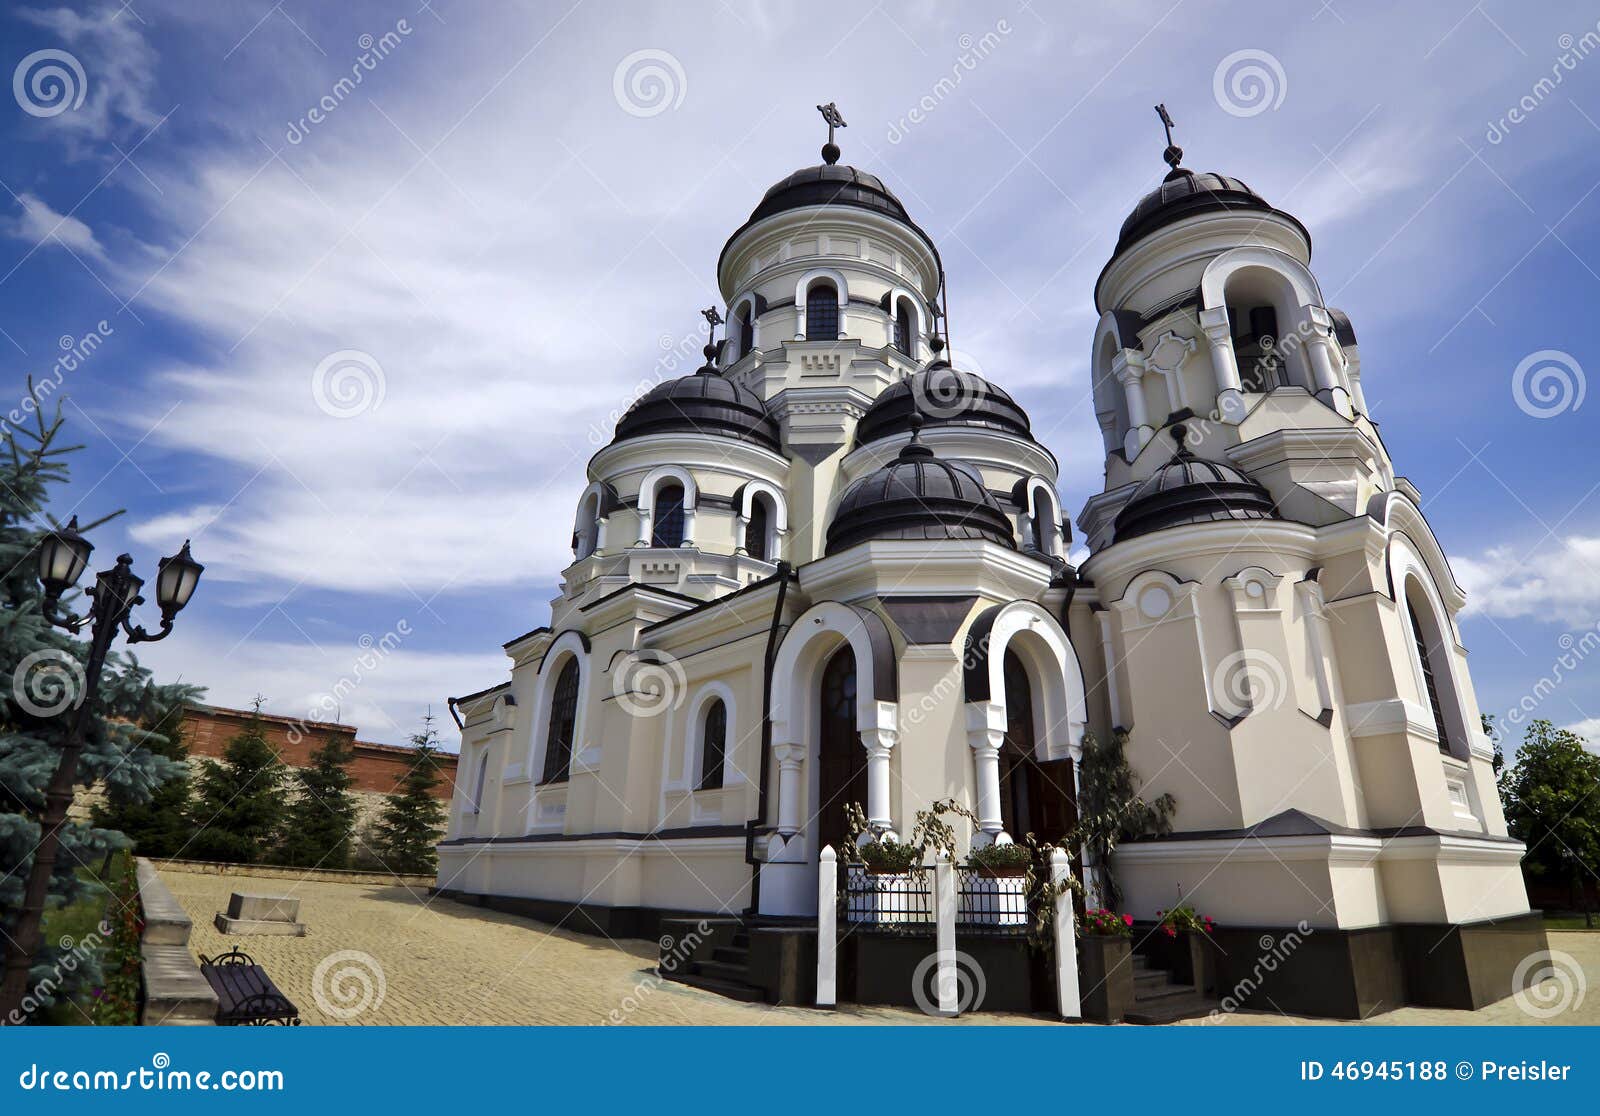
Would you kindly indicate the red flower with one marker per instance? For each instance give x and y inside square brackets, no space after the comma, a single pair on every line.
[1127,920]
[1171,933]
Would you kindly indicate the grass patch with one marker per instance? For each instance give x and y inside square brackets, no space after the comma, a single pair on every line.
[1569,922]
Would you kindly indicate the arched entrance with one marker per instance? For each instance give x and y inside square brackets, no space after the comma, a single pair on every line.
[1036,796]
[842,768]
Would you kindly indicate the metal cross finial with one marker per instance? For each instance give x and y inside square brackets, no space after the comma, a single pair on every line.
[830,113]
[713,320]
[1173,154]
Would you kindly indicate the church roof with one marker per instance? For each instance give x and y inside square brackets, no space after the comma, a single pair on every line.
[918,496]
[942,396]
[703,403]
[1190,489]
[1183,193]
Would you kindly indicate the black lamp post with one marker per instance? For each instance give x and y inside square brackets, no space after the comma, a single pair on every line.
[63,556]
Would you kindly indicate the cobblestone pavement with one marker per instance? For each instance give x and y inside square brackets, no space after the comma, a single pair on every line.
[444,963]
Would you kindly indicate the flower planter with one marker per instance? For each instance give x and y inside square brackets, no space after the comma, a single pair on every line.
[994,897]
[1105,972]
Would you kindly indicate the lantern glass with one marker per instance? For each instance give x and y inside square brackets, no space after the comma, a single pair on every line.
[176,581]
[63,556]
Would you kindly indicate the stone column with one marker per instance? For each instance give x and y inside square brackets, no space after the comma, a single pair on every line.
[1108,429]
[791,766]
[1224,364]
[741,524]
[1128,367]
[986,731]
[1319,354]
[879,743]
[645,523]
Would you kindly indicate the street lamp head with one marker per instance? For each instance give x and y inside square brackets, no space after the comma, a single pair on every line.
[63,556]
[176,579]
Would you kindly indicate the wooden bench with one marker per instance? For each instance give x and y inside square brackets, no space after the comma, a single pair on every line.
[246,996]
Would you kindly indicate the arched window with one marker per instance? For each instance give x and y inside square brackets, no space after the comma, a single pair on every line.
[842,761]
[483,775]
[822,313]
[755,531]
[563,724]
[902,327]
[1426,658]
[713,745]
[666,528]
[1258,348]
[746,331]
[586,534]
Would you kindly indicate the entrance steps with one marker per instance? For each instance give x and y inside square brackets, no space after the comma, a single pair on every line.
[1156,999]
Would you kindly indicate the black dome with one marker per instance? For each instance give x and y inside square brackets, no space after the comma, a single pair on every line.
[1188,489]
[918,496]
[942,396]
[703,403]
[1183,193]
[830,184]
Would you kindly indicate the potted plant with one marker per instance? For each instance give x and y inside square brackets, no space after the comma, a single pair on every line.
[995,892]
[1105,965]
[1190,950]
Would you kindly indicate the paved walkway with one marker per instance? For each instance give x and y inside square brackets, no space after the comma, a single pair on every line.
[446,963]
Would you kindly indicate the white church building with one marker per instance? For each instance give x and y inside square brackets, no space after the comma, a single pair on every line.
[830,568]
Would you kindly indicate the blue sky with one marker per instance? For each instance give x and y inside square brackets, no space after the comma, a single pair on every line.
[514,234]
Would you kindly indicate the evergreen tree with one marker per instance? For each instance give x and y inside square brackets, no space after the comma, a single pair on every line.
[41,675]
[239,804]
[323,815]
[157,824]
[1552,802]
[412,818]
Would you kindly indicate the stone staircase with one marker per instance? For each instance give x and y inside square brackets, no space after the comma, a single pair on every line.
[726,972]
[1156,999]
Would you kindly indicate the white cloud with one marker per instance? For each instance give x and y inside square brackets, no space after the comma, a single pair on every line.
[1558,583]
[1589,729]
[119,70]
[38,223]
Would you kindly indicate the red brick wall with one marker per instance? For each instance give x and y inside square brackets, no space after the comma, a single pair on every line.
[377,768]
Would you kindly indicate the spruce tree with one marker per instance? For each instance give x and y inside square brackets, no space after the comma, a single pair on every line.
[156,824]
[412,817]
[322,817]
[41,672]
[239,804]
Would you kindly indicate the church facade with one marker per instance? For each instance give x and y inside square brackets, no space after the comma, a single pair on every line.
[830,567]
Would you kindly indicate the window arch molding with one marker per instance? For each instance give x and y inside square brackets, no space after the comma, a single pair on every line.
[777,521]
[694,755]
[893,301]
[595,506]
[1041,512]
[751,305]
[651,486]
[802,292]
[569,646]
[1415,593]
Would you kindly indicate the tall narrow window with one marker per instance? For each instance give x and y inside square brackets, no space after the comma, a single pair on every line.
[667,526]
[822,313]
[902,327]
[714,745]
[747,332]
[1430,683]
[1041,525]
[755,531]
[483,775]
[563,725]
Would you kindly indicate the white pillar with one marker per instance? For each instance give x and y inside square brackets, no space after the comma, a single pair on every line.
[1128,367]
[1108,429]
[645,519]
[827,928]
[986,731]
[741,525]
[688,525]
[1066,931]
[791,763]
[948,983]
[1319,353]
[1224,364]
[879,743]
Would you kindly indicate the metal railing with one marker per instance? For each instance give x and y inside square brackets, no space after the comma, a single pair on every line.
[991,904]
[887,902]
